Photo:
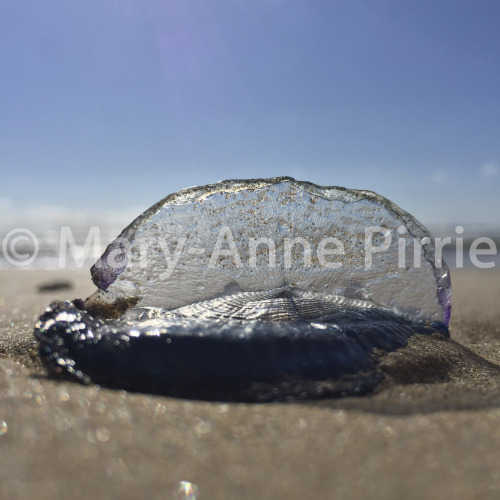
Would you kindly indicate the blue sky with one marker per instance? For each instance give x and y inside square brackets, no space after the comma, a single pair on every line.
[108,105]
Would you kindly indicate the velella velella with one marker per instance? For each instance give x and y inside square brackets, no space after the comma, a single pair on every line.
[253,290]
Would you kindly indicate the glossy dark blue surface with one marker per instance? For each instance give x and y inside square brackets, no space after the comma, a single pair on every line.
[239,360]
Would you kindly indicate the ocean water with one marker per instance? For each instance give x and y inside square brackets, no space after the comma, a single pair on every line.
[65,247]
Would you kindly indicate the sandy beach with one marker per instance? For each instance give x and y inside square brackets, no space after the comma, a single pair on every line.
[431,430]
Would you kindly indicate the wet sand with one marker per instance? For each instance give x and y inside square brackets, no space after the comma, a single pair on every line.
[431,430]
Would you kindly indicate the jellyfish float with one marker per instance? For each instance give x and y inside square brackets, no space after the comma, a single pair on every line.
[253,290]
